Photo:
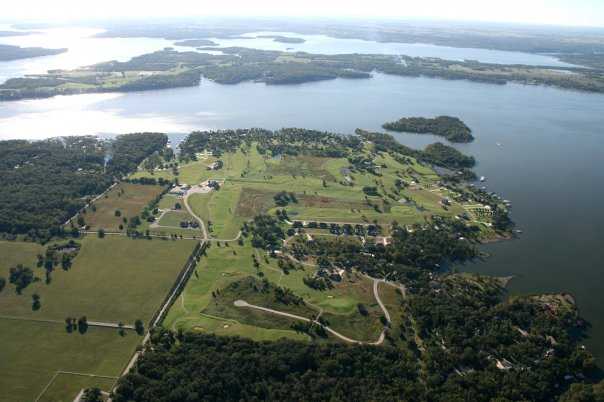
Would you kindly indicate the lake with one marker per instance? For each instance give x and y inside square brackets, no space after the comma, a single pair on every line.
[551,144]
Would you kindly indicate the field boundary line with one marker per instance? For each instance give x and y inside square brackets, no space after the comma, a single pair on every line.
[58,372]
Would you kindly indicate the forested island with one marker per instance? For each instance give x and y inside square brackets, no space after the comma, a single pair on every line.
[169,69]
[8,52]
[195,43]
[452,128]
[282,39]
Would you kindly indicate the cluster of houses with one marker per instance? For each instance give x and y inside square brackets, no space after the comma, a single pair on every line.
[337,229]
[215,165]
[189,224]
[180,190]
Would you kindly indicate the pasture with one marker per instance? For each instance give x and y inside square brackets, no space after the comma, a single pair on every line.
[127,198]
[33,352]
[112,279]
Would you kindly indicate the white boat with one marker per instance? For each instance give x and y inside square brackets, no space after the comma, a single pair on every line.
[482,178]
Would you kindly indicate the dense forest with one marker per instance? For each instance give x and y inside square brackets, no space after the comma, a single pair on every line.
[195,367]
[46,182]
[452,128]
[195,43]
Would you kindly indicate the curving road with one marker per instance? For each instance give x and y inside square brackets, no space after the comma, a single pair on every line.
[190,211]
[380,340]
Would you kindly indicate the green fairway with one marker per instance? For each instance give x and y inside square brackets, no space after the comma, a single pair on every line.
[327,190]
[33,352]
[224,266]
[112,279]
[221,267]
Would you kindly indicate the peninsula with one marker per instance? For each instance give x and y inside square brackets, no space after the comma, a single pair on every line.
[8,52]
[170,69]
[452,128]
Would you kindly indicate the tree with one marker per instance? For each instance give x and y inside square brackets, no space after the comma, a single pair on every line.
[36,304]
[121,330]
[139,327]
[70,324]
[82,324]
[118,213]
[92,395]
[101,233]
[21,277]
[2,283]
[81,221]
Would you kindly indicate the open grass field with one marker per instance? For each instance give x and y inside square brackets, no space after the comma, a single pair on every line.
[173,218]
[112,279]
[168,201]
[17,252]
[32,352]
[65,386]
[128,198]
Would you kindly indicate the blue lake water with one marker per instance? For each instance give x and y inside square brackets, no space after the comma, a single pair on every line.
[322,44]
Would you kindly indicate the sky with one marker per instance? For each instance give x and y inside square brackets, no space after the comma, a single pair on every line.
[553,12]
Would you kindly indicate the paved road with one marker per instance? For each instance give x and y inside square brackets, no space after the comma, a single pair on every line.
[90,323]
[243,303]
[377,297]
[188,207]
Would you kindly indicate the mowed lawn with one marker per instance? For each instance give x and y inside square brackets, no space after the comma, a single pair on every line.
[128,198]
[221,266]
[218,210]
[112,279]
[32,352]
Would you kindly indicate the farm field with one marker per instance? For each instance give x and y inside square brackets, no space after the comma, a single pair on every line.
[112,279]
[128,198]
[32,352]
